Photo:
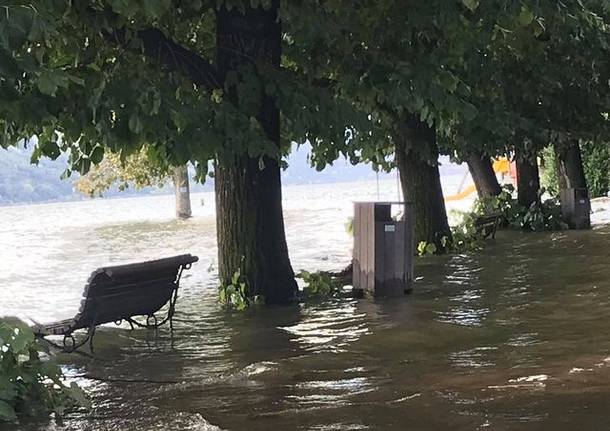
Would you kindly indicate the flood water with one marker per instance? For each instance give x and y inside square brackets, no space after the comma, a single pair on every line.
[512,338]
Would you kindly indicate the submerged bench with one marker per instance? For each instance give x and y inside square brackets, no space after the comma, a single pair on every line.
[487,224]
[117,293]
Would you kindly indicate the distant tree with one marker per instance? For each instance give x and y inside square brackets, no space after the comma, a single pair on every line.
[136,171]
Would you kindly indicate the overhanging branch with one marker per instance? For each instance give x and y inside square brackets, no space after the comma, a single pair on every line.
[178,58]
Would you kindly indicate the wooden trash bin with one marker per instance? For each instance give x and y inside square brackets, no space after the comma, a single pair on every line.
[576,208]
[383,249]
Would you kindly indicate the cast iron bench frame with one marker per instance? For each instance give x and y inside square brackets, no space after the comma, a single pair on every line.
[117,293]
[488,224]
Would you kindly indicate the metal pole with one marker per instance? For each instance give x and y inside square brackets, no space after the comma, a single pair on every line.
[377,176]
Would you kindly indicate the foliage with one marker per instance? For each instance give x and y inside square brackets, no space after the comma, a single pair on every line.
[235,294]
[135,169]
[109,74]
[465,237]
[349,226]
[597,167]
[319,284]
[29,385]
[548,174]
[425,248]
[504,203]
[542,215]
[455,65]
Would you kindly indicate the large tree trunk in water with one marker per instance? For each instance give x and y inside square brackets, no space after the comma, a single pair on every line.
[180,179]
[562,183]
[250,224]
[575,205]
[528,178]
[483,175]
[570,171]
[416,158]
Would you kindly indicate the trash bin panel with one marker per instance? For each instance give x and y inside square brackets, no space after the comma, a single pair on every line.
[383,249]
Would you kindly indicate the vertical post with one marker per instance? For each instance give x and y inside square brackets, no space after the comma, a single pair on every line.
[182,191]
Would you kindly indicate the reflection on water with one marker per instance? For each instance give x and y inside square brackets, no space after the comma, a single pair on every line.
[509,339]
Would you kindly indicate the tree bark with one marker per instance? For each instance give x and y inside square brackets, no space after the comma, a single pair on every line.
[528,178]
[250,224]
[483,175]
[416,158]
[180,178]
[570,171]
[575,205]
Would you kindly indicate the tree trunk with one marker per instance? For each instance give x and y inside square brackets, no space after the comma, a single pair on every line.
[416,158]
[528,178]
[483,175]
[250,224]
[570,171]
[180,179]
[562,183]
[575,205]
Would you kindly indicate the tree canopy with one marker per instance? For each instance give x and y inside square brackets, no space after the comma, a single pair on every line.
[120,74]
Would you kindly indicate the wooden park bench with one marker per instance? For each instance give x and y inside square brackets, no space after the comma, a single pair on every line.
[488,224]
[117,293]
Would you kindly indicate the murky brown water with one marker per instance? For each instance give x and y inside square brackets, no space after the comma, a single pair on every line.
[514,338]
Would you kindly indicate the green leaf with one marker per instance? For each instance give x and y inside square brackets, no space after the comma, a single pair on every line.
[156,8]
[448,81]
[47,84]
[126,8]
[431,248]
[525,17]
[471,4]
[16,333]
[135,124]
[78,395]
[7,413]
[97,155]
[50,149]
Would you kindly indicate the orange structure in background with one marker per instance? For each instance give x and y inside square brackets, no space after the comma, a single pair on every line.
[500,166]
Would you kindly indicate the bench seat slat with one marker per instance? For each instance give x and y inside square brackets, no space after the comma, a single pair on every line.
[142,286]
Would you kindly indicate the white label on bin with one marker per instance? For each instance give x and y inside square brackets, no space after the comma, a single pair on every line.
[390,228]
[582,201]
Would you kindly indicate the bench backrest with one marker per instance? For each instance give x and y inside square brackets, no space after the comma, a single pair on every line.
[139,289]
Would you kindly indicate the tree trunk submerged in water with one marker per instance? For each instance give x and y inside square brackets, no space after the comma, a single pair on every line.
[483,175]
[180,179]
[528,178]
[570,171]
[249,219]
[417,161]
[571,175]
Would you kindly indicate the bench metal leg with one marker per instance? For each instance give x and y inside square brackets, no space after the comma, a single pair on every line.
[69,343]
[91,334]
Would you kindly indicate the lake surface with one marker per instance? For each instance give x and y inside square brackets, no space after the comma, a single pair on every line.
[513,338]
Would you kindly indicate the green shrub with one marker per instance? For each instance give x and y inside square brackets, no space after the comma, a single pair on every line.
[235,294]
[319,284]
[596,161]
[29,385]
[544,215]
